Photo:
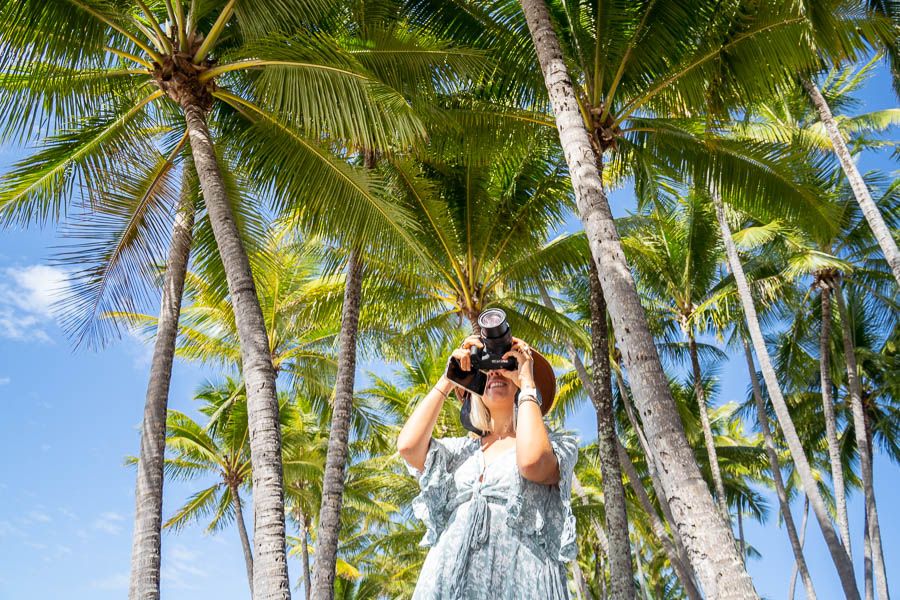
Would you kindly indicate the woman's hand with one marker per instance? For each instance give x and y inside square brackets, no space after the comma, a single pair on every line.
[524,376]
[462,355]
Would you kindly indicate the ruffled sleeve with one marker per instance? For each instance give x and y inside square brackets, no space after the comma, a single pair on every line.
[541,515]
[436,485]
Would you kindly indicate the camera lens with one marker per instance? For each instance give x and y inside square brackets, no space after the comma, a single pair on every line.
[495,331]
[491,318]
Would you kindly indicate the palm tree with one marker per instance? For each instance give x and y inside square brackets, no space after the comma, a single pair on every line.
[178,64]
[792,120]
[838,553]
[595,109]
[221,448]
[598,386]
[675,253]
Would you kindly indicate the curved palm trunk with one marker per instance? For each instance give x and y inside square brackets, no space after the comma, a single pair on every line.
[802,539]
[599,575]
[860,190]
[653,470]
[711,453]
[763,419]
[709,540]
[834,451]
[270,575]
[580,584]
[621,574]
[682,571]
[146,542]
[242,531]
[336,459]
[304,553]
[862,443]
[838,553]
[868,572]
[673,552]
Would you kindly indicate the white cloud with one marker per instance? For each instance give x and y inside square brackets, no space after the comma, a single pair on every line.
[40,286]
[109,522]
[117,581]
[27,298]
[5,380]
[39,516]
[181,568]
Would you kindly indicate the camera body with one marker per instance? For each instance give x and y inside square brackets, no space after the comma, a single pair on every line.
[497,340]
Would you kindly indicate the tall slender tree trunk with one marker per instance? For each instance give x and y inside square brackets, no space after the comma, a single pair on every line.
[682,570]
[873,530]
[860,190]
[831,436]
[762,418]
[862,443]
[242,532]
[793,586]
[868,566]
[621,574]
[676,557]
[304,553]
[653,470]
[599,533]
[270,575]
[580,584]
[336,458]
[838,553]
[708,439]
[599,573]
[709,540]
[147,542]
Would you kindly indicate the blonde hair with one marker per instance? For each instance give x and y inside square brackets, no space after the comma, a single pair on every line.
[480,414]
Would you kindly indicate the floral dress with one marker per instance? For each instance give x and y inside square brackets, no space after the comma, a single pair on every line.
[503,538]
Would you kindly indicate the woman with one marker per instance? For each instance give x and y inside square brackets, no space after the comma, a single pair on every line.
[496,508]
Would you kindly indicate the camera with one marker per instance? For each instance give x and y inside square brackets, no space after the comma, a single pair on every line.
[497,340]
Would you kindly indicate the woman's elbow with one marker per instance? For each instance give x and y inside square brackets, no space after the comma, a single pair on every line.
[540,470]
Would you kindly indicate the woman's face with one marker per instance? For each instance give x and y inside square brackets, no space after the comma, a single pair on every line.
[499,391]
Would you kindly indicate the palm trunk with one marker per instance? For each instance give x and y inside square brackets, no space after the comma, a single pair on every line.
[874,531]
[599,534]
[860,190]
[711,453]
[580,584]
[763,419]
[270,575]
[336,459]
[868,566]
[242,531]
[834,451]
[862,444]
[709,540]
[838,553]
[600,573]
[621,574]
[657,485]
[802,539]
[682,571]
[304,553]
[146,543]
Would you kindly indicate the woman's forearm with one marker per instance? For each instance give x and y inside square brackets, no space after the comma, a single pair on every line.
[414,437]
[534,454]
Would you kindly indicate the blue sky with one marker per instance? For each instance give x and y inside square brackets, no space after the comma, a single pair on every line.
[71,417]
